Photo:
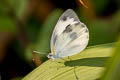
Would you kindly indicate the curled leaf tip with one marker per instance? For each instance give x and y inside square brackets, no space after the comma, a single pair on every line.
[83,3]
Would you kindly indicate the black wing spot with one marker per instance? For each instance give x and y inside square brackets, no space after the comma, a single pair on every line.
[64,18]
[68,28]
[73,35]
[76,19]
[86,30]
[82,25]
[76,24]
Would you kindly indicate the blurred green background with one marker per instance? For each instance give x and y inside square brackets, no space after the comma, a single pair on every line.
[26,25]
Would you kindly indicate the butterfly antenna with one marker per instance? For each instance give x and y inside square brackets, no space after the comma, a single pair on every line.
[40,53]
[36,52]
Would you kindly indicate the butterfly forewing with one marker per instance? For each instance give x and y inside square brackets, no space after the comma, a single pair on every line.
[70,36]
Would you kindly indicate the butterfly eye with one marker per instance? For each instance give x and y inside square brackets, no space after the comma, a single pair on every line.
[50,55]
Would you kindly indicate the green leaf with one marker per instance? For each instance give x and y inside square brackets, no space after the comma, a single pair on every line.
[7,24]
[113,67]
[100,5]
[19,7]
[86,65]
[104,30]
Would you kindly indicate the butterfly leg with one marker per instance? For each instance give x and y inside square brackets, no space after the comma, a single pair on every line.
[60,62]
[69,58]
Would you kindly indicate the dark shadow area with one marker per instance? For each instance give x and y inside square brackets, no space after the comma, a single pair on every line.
[93,62]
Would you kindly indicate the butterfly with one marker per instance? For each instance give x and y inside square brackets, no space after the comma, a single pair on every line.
[70,36]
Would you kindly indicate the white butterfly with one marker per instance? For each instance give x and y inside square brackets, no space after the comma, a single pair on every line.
[70,36]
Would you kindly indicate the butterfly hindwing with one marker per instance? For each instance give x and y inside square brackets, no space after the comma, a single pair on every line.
[72,42]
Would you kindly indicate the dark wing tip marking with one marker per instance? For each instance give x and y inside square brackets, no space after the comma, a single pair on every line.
[68,28]
[83,25]
[69,13]
[86,30]
[76,24]
[64,18]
